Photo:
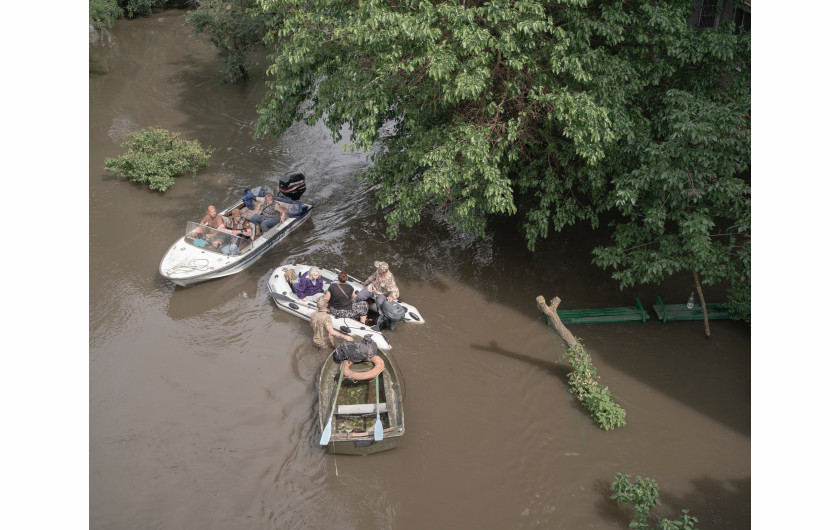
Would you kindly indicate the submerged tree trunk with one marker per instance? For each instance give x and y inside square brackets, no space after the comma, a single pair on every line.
[584,381]
[702,303]
[551,312]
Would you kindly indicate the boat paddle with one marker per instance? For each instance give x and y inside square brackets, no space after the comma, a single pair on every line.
[327,434]
[377,427]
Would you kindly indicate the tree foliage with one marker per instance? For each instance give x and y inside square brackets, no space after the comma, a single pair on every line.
[557,111]
[103,13]
[234,27]
[156,156]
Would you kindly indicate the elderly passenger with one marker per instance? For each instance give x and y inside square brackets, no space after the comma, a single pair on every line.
[310,286]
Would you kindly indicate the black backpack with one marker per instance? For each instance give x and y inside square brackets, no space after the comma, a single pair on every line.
[356,352]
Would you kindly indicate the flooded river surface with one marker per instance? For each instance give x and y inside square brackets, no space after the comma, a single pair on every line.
[203,401]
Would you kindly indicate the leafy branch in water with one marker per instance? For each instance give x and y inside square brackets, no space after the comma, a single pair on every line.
[156,156]
[584,381]
[644,495]
[594,396]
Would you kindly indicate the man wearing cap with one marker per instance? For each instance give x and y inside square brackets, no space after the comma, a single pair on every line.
[380,284]
[238,225]
[322,328]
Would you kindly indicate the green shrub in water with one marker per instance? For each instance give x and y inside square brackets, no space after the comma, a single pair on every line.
[644,495]
[594,396]
[156,156]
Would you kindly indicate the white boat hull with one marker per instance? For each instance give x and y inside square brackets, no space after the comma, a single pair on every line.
[287,300]
[185,264]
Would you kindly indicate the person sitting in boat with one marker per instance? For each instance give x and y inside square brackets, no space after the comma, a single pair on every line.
[322,328]
[381,284]
[269,213]
[238,225]
[310,286]
[215,239]
[340,299]
[212,219]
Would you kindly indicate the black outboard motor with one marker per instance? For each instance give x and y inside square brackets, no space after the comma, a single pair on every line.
[389,314]
[292,185]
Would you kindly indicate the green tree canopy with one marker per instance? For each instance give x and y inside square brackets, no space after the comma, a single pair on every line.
[556,111]
[103,13]
[234,27]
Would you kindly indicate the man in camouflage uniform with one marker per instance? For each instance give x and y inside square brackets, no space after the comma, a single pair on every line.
[322,328]
[380,284]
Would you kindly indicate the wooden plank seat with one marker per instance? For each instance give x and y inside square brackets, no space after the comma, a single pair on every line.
[364,408]
[667,312]
[608,314]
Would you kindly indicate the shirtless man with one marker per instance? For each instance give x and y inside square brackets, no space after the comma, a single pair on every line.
[212,219]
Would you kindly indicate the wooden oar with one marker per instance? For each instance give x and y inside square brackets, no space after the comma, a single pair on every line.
[377,427]
[327,434]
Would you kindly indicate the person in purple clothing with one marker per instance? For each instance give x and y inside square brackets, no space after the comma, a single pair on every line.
[310,287]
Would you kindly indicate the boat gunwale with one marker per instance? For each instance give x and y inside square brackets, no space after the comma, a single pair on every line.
[344,443]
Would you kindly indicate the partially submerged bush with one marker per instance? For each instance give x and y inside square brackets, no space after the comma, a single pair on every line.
[156,156]
[644,495]
[594,396]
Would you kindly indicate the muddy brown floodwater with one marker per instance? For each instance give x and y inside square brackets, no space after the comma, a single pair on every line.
[203,409]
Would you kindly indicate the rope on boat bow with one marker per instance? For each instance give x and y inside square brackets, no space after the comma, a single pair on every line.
[193,265]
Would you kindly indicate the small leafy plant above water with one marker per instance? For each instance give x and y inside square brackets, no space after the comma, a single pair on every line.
[156,156]
[644,495]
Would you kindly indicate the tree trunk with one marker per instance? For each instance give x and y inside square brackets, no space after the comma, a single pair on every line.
[702,303]
[551,312]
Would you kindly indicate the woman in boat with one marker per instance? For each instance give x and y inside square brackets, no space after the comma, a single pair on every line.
[341,303]
[322,328]
[310,286]
[380,284]
[238,225]
[269,213]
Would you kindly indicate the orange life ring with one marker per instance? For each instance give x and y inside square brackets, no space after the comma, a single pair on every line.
[378,366]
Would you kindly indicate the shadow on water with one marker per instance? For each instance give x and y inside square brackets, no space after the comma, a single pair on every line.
[552,368]
[676,358]
[707,500]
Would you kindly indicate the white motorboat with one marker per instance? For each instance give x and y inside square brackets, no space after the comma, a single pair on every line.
[191,259]
[285,298]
